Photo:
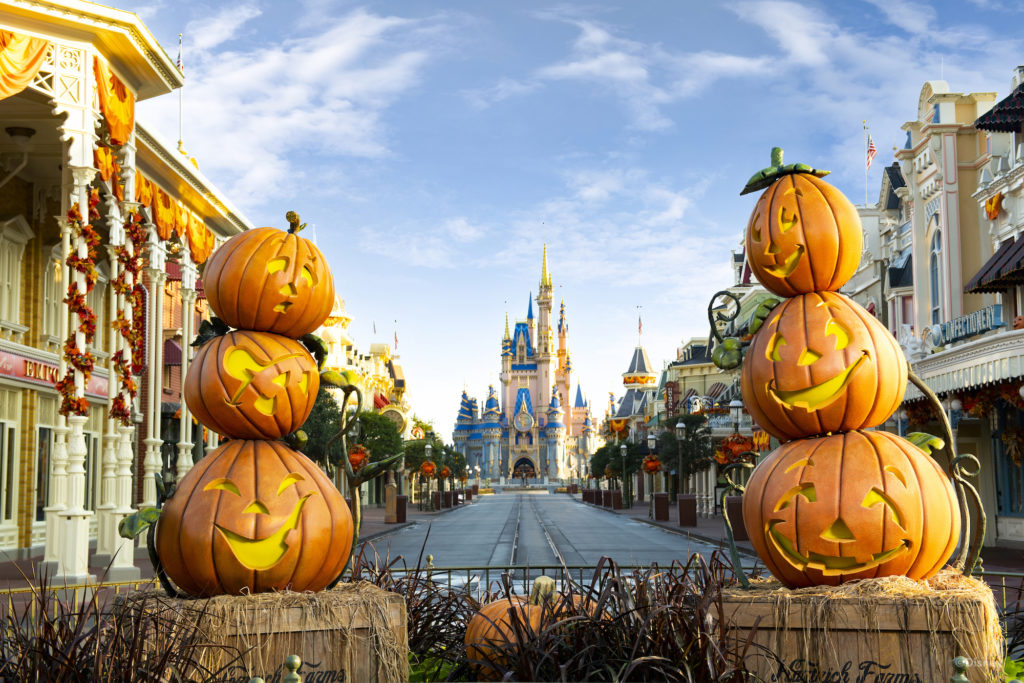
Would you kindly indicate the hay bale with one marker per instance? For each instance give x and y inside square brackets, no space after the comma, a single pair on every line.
[890,629]
[354,632]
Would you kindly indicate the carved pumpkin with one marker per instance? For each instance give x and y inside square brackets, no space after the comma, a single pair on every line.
[850,506]
[821,363]
[491,627]
[269,280]
[252,385]
[254,516]
[803,236]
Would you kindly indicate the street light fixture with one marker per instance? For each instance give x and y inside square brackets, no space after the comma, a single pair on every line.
[736,410]
[430,501]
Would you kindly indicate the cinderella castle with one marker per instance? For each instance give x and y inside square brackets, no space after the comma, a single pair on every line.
[531,425]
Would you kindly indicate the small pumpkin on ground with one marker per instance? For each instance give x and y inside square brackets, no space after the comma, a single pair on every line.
[270,280]
[252,385]
[491,627]
[254,516]
[849,506]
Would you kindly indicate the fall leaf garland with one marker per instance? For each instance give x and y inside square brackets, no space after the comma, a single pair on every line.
[79,359]
[127,365]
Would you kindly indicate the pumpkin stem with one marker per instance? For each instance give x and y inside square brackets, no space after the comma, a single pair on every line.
[776,156]
[293,222]
[543,589]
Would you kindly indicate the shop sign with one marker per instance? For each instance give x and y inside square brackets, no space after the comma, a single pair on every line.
[671,394]
[970,325]
[30,371]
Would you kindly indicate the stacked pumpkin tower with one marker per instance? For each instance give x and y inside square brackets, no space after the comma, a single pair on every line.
[256,515]
[834,502]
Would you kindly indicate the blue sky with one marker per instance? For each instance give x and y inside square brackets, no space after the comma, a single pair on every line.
[437,146]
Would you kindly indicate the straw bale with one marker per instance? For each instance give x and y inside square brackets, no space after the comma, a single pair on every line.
[889,629]
[353,632]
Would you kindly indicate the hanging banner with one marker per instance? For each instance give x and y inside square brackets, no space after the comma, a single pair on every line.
[671,397]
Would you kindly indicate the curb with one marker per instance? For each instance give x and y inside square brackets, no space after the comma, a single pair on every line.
[721,542]
[398,527]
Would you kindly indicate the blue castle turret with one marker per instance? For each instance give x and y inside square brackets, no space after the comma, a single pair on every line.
[555,431]
[490,464]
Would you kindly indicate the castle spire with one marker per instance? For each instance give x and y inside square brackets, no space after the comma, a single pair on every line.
[545,276]
[507,335]
[529,310]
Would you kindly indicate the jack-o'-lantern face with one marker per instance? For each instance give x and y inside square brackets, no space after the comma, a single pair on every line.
[821,363]
[265,552]
[803,236]
[252,385]
[852,505]
[254,516]
[270,280]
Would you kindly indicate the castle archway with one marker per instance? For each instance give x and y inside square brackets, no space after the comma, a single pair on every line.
[525,463]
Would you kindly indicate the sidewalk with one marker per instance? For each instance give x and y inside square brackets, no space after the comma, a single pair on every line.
[995,559]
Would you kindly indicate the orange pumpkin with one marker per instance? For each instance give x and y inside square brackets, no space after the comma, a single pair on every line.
[254,516]
[491,627]
[803,236]
[850,506]
[357,457]
[428,468]
[269,280]
[252,385]
[821,363]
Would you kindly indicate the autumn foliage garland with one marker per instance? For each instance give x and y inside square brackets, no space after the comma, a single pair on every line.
[130,364]
[79,359]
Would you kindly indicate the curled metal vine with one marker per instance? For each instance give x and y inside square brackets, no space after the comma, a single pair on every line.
[746,463]
[723,312]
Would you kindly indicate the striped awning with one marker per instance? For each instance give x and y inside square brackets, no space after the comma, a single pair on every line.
[172,352]
[716,389]
[1004,263]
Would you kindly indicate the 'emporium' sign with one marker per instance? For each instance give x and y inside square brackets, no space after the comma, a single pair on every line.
[21,368]
[989,318]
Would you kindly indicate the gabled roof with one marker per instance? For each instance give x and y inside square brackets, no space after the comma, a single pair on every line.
[901,273]
[894,175]
[632,404]
[522,330]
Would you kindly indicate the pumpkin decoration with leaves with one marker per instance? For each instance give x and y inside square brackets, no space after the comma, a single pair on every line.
[851,506]
[804,235]
[252,385]
[254,516]
[270,280]
[492,629]
[358,456]
[821,363]
[428,468]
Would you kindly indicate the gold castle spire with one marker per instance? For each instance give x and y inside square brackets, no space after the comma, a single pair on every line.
[545,276]
[507,335]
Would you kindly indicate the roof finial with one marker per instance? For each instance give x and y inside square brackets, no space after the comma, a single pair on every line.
[507,335]
[545,276]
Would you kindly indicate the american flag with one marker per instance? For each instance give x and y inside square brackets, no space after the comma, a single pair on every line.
[396,340]
[178,63]
[872,151]
[639,325]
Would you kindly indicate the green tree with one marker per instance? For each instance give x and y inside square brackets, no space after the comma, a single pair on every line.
[379,435]
[610,456]
[320,427]
[693,452]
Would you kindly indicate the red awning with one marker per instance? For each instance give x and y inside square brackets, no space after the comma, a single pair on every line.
[716,389]
[988,278]
[379,401]
[172,353]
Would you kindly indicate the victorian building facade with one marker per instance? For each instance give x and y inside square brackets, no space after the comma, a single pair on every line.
[102,230]
[534,424]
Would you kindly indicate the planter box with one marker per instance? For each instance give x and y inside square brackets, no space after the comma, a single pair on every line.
[687,503]
[891,629]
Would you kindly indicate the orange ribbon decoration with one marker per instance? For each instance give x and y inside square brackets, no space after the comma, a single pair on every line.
[117,103]
[21,57]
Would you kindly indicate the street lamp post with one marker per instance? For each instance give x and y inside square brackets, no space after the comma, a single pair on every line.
[680,433]
[652,442]
[625,481]
[430,501]
[476,468]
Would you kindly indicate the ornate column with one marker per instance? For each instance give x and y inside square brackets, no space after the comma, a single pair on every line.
[188,297]
[73,563]
[58,465]
[152,463]
[106,527]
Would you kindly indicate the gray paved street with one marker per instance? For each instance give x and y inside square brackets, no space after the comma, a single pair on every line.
[535,528]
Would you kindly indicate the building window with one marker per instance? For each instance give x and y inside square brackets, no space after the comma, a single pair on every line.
[53,291]
[14,234]
[9,418]
[935,276]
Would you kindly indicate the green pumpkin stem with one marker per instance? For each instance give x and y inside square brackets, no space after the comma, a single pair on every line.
[293,222]
[776,156]
[766,176]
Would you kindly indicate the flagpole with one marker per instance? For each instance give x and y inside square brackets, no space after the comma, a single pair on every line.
[180,68]
[865,163]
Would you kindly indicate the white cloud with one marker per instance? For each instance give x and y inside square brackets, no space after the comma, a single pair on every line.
[251,113]
[461,230]
[502,90]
